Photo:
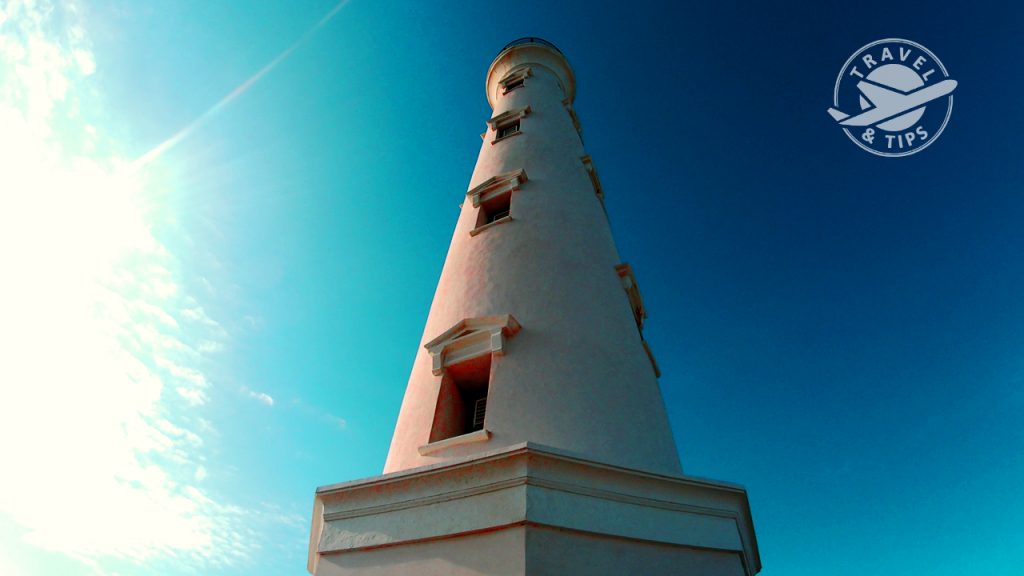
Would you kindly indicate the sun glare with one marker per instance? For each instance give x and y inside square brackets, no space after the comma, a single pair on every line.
[103,347]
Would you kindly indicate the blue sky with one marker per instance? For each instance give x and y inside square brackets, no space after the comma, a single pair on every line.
[214,289]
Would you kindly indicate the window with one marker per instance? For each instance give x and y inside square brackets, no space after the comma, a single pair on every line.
[494,210]
[508,130]
[463,358]
[507,124]
[493,199]
[472,379]
[462,400]
[513,84]
[515,79]
[498,215]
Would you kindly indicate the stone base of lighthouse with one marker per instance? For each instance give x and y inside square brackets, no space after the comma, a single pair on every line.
[529,509]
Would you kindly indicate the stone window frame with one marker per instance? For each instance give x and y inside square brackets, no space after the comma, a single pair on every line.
[650,356]
[516,78]
[492,188]
[468,339]
[636,303]
[575,119]
[595,181]
[506,119]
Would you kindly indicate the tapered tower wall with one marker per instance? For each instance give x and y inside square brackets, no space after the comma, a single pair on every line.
[576,376]
[533,438]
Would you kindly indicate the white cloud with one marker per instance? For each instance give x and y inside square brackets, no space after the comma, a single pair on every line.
[85,61]
[191,395]
[319,414]
[210,347]
[254,323]
[164,290]
[258,396]
[155,312]
[182,373]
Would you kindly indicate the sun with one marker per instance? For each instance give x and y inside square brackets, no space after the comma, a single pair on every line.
[101,367]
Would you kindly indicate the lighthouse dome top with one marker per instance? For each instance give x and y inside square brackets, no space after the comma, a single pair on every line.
[530,51]
[531,40]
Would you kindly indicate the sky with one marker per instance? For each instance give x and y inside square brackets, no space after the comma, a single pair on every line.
[223,223]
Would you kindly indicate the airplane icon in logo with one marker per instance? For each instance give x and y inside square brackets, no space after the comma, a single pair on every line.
[889,102]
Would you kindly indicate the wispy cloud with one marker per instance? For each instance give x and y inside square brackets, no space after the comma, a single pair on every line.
[258,396]
[320,414]
[230,97]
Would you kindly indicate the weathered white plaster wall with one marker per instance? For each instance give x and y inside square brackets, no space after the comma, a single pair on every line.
[533,551]
[501,553]
[576,377]
[551,551]
[581,517]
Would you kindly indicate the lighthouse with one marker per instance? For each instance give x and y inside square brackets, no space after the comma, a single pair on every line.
[533,438]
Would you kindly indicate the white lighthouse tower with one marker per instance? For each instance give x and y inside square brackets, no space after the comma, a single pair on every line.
[533,438]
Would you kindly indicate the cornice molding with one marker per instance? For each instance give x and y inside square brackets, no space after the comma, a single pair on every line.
[636,302]
[507,117]
[496,186]
[588,163]
[521,72]
[470,338]
[501,485]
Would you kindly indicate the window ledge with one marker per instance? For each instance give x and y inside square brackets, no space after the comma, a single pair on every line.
[480,229]
[482,435]
[512,135]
